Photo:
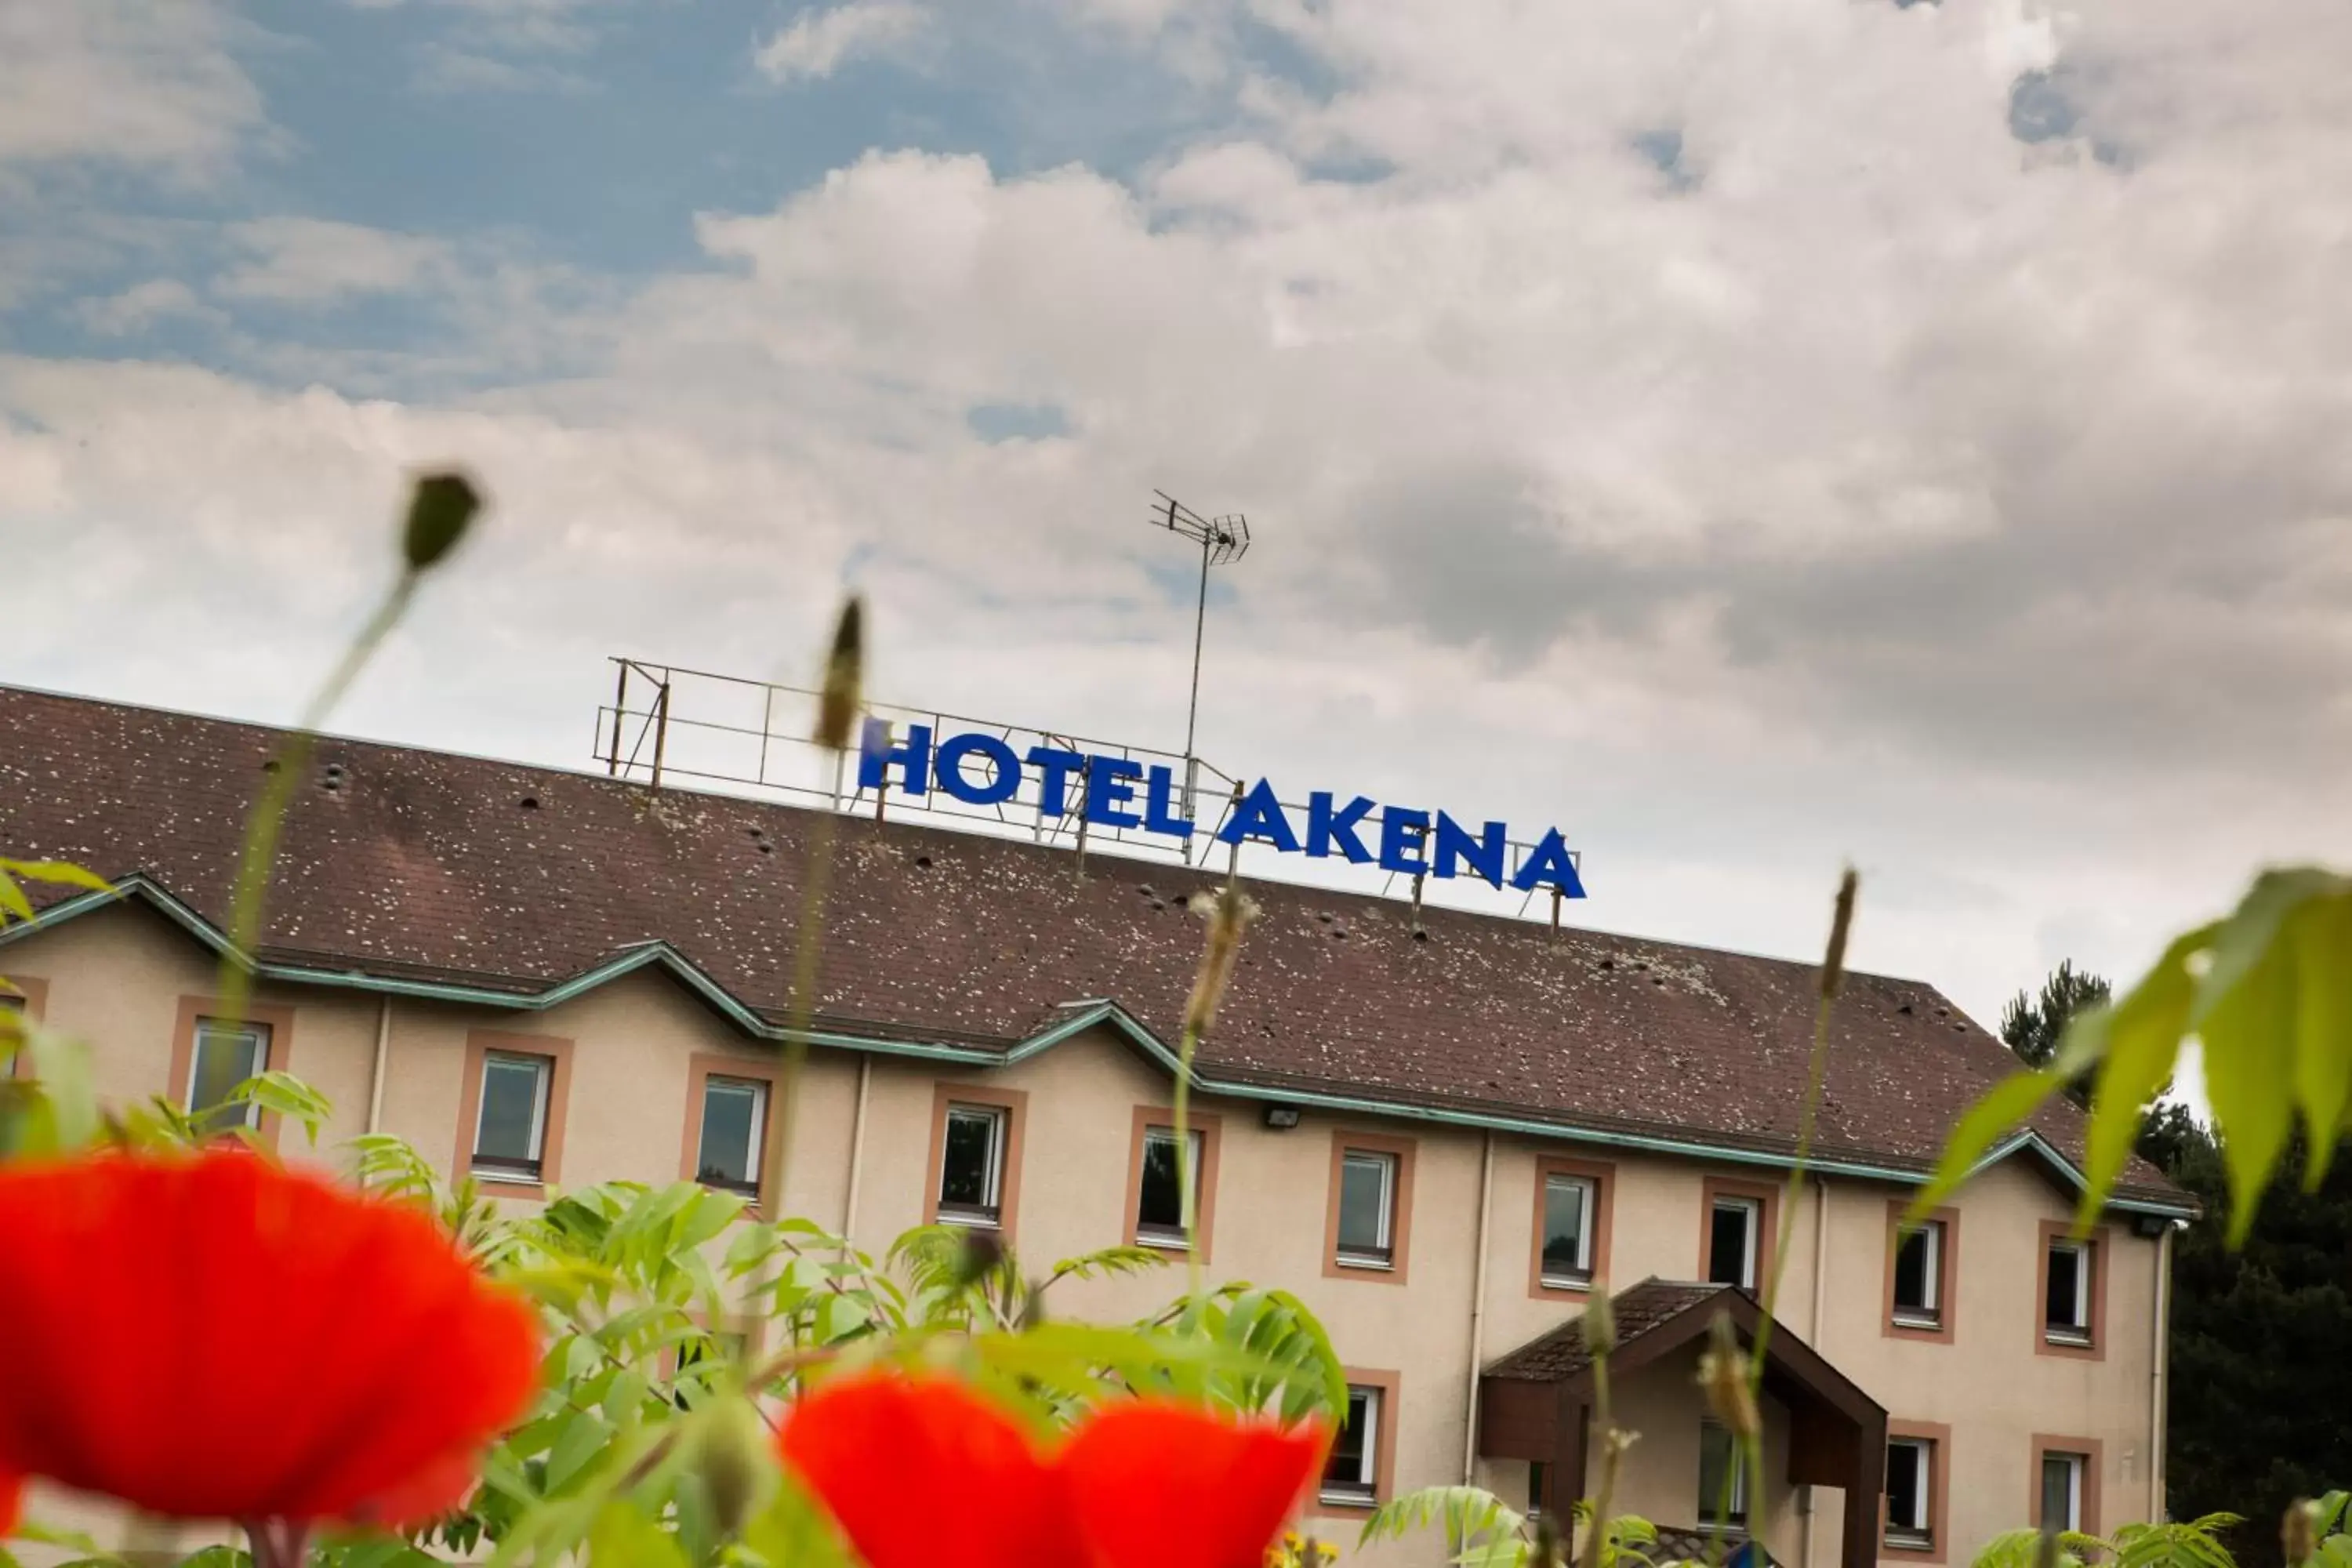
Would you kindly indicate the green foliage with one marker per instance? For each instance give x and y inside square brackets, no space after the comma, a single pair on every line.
[2032,1025]
[2181,1543]
[2258,1382]
[2329,1518]
[2189,1544]
[2268,994]
[14,874]
[1483,1531]
[2022,1549]
[640,1386]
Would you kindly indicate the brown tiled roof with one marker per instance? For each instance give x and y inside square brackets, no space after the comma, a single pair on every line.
[1561,1353]
[426,865]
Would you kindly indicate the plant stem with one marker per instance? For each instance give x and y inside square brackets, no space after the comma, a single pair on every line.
[1186,1205]
[803,1012]
[1604,1423]
[261,831]
[1817,1073]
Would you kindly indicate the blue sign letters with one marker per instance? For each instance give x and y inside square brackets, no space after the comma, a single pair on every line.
[1111,791]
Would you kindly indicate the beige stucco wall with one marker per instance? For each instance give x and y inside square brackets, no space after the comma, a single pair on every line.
[116,979]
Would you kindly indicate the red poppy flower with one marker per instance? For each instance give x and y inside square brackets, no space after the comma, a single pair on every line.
[210,1336]
[12,1504]
[921,1470]
[1156,1485]
[1143,1484]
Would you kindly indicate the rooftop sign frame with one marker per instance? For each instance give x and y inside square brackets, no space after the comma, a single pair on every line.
[668,722]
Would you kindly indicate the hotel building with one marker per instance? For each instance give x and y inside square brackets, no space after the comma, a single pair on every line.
[1446,1132]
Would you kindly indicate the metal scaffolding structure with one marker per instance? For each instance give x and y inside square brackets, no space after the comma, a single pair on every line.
[668,725]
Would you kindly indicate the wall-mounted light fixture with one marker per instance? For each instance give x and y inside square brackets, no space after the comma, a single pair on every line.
[1282,1116]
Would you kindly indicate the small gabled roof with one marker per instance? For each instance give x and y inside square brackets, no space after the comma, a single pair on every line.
[1562,1352]
[1658,1317]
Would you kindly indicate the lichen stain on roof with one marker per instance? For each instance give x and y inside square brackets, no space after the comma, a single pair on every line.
[421,863]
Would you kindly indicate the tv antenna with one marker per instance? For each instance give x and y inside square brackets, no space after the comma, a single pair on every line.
[1222,540]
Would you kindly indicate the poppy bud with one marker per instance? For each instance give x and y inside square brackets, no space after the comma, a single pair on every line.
[981,1255]
[2298,1531]
[845,676]
[1723,1374]
[1841,925]
[733,1459]
[1549,1551]
[438,512]
[1229,912]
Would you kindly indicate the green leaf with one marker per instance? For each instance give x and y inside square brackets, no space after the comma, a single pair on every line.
[71,1539]
[2003,1107]
[793,1531]
[1467,1514]
[63,872]
[584,1436]
[2321,939]
[626,1536]
[2138,1041]
[2248,1035]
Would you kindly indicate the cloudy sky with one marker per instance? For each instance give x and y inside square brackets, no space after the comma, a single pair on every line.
[1750,434]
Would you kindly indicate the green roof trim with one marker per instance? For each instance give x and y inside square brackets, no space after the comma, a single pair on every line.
[1079,1016]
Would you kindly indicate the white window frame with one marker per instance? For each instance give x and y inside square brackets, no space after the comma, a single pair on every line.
[2076,1465]
[989,1215]
[1188,1171]
[1930,1316]
[2077,1332]
[1589,1194]
[249,1114]
[1753,1208]
[754,1157]
[1386,1241]
[1366,1488]
[1917,1534]
[544,1070]
[1737,1518]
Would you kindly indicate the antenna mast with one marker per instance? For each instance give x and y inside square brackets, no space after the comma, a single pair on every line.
[1222,540]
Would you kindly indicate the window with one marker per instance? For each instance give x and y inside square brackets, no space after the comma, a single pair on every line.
[1367,1209]
[511,1129]
[1910,1500]
[15,1010]
[2066,1294]
[1536,1477]
[2061,1491]
[972,1165]
[1159,1201]
[731,1153]
[1352,1475]
[223,1056]
[1919,1276]
[1568,1227]
[1722,1480]
[1733,1225]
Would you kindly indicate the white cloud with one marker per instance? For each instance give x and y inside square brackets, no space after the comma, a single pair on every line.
[1879,485]
[819,42]
[142,305]
[313,261]
[442,67]
[150,84]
